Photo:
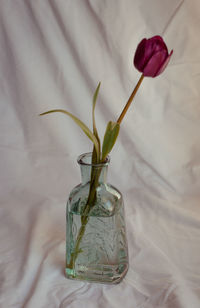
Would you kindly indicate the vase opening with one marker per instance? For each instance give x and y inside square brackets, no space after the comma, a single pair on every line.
[87,167]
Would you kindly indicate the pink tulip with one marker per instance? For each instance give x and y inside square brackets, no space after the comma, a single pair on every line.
[151,56]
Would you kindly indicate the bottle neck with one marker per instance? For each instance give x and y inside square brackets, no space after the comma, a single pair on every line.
[86,173]
[86,167]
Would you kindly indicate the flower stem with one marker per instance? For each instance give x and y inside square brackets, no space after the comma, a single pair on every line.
[95,174]
[130,100]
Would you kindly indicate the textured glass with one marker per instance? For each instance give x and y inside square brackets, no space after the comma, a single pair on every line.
[96,245]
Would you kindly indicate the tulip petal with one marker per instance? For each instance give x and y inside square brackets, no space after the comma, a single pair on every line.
[154,45]
[164,65]
[155,63]
[157,43]
[139,59]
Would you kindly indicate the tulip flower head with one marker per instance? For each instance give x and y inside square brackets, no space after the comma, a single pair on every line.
[151,56]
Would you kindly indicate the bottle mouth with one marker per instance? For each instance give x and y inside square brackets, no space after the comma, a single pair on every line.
[86,160]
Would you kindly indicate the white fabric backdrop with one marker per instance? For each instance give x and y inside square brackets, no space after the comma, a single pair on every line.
[52,55]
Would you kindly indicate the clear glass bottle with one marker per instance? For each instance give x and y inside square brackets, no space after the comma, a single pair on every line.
[96,244]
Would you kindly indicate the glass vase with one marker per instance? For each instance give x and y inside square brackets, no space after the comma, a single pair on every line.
[96,244]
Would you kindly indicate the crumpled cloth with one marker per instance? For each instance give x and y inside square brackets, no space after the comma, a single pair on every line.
[52,55]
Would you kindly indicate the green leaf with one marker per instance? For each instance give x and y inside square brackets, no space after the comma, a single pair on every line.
[94,155]
[84,127]
[110,137]
[93,108]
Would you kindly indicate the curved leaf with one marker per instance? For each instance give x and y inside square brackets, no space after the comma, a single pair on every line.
[93,108]
[84,127]
[94,155]
[110,137]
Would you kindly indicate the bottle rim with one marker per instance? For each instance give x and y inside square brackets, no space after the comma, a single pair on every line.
[82,160]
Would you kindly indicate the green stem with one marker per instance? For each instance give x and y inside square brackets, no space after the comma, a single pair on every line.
[95,174]
[130,100]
